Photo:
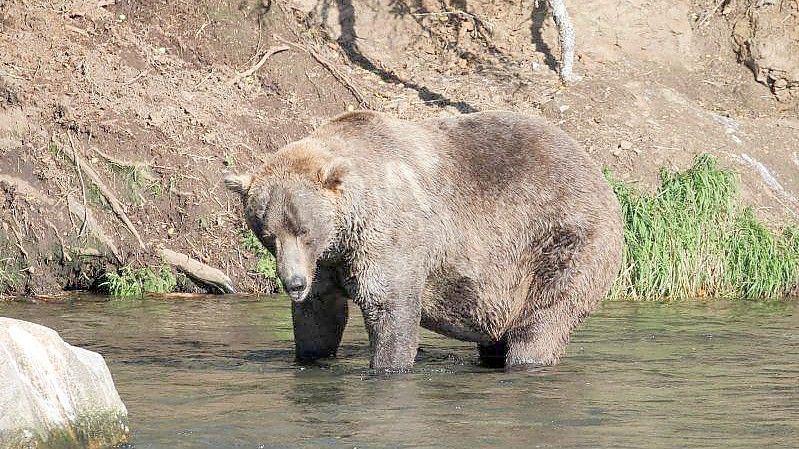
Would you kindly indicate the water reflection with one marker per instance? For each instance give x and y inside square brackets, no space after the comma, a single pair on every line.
[220,374]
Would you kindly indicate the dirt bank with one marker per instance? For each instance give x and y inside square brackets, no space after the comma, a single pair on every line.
[117,118]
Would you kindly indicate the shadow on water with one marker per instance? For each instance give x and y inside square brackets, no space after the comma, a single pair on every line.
[220,373]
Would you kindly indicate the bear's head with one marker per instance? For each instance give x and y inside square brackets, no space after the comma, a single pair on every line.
[290,203]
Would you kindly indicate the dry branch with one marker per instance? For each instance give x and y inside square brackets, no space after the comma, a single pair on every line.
[91,225]
[199,271]
[116,205]
[64,253]
[258,65]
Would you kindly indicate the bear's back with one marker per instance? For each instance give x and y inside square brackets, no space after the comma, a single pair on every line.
[514,158]
[504,159]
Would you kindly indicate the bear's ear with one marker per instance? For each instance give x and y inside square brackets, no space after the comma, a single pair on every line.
[238,183]
[332,174]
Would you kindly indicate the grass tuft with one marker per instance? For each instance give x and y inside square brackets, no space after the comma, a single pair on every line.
[8,275]
[128,282]
[138,180]
[266,265]
[691,238]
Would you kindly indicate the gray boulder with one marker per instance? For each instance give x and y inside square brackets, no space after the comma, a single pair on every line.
[55,395]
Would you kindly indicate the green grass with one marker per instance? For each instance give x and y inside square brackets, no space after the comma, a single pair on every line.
[138,180]
[266,264]
[128,282]
[8,275]
[691,238]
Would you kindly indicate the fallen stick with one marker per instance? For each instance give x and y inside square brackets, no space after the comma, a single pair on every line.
[64,253]
[83,195]
[91,225]
[199,271]
[709,13]
[18,243]
[258,65]
[116,206]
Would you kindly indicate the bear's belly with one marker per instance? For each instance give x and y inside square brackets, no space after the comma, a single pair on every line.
[455,328]
[451,306]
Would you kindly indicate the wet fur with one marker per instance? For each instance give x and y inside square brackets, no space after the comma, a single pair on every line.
[490,227]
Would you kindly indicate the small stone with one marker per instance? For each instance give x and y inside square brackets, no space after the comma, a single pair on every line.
[616,152]
[122,17]
[563,108]
[161,50]
[350,108]
[170,231]
[626,145]
[781,83]
[94,160]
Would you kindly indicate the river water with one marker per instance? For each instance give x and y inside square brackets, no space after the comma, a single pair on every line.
[219,373]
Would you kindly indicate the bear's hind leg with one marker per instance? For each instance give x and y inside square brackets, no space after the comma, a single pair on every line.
[320,319]
[541,338]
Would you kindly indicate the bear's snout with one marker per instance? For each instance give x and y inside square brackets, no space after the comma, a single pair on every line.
[295,286]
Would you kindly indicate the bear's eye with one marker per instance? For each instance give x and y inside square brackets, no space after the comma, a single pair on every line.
[269,243]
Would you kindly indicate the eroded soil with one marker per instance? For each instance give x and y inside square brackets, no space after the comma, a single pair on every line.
[147,96]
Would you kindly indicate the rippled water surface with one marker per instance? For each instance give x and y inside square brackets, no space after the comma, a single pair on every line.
[219,373]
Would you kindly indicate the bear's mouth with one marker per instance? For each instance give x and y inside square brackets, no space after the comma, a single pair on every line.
[298,296]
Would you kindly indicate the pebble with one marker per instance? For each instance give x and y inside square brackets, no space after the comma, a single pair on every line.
[626,145]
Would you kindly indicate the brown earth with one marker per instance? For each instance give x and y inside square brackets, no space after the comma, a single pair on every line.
[147,97]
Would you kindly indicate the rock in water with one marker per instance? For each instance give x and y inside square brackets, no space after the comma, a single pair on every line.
[53,394]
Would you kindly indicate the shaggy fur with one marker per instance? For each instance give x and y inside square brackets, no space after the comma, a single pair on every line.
[492,227]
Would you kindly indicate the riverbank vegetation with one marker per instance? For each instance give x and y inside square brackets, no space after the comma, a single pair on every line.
[131,282]
[691,238]
[265,265]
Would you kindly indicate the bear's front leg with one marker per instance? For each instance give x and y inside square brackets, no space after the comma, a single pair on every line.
[393,334]
[393,337]
[320,319]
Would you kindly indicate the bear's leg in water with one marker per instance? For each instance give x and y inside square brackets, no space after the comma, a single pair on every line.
[320,319]
[492,355]
[394,333]
[540,338]
[390,296]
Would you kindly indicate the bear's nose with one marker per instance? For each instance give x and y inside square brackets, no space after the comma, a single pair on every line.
[296,284]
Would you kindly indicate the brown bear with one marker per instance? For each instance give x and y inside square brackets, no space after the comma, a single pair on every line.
[491,227]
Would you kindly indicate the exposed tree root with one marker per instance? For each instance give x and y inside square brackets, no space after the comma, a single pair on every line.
[199,271]
[116,205]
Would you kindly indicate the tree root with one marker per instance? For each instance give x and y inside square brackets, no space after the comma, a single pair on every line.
[116,205]
[253,69]
[199,271]
[91,225]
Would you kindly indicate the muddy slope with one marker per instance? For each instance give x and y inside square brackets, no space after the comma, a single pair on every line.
[117,118]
